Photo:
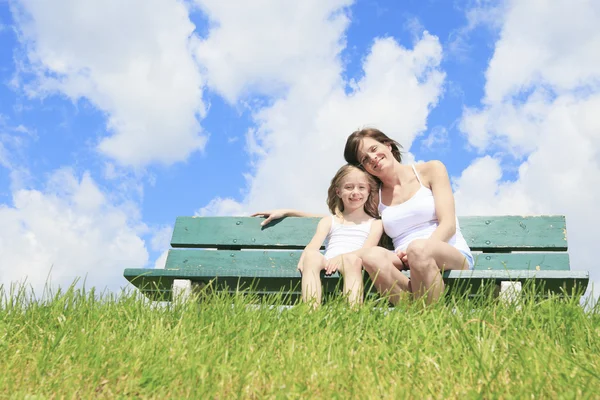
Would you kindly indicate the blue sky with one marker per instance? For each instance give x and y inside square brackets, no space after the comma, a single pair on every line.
[115,118]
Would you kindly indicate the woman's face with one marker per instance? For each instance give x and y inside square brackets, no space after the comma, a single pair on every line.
[374,156]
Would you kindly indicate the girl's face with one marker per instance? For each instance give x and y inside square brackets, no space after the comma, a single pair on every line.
[354,190]
[375,156]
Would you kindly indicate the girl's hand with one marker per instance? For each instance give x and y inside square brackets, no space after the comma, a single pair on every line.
[404,258]
[300,266]
[333,265]
[271,215]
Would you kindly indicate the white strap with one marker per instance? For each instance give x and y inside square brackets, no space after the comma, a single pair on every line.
[417,174]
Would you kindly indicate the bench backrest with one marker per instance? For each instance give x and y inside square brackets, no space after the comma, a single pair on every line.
[505,242]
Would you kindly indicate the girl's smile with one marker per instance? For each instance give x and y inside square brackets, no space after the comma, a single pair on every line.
[354,189]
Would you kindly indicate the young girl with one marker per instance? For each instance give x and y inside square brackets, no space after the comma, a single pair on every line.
[353,226]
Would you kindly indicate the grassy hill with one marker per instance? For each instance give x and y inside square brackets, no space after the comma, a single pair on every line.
[80,344]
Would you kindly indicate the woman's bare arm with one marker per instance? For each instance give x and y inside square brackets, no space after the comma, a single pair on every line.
[438,179]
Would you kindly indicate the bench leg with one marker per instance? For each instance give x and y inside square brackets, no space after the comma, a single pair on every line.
[182,290]
[509,291]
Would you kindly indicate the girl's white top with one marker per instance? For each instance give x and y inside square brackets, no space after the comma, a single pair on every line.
[343,239]
[415,219]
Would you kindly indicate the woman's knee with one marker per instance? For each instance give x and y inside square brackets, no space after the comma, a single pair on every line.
[376,259]
[419,255]
[417,248]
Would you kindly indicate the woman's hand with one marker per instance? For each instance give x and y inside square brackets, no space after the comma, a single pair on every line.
[271,215]
[404,258]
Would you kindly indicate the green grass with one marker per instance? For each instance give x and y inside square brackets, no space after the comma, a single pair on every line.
[81,344]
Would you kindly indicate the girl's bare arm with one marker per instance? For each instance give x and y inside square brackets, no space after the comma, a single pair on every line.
[317,240]
[372,241]
[279,213]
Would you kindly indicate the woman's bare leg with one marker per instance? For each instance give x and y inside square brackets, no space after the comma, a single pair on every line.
[351,270]
[383,266]
[426,259]
[312,290]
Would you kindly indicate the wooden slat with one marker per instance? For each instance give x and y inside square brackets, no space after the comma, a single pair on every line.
[536,261]
[531,233]
[276,263]
[244,232]
[156,283]
[493,233]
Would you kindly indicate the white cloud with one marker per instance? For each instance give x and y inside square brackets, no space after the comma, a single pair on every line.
[13,139]
[132,60]
[303,134]
[69,230]
[513,126]
[540,103]
[481,191]
[436,140]
[222,207]
[414,26]
[487,13]
[266,46]
[161,261]
[297,141]
[161,239]
[4,157]
[559,47]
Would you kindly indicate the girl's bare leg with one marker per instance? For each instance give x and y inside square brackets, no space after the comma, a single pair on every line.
[351,270]
[426,259]
[312,290]
[383,266]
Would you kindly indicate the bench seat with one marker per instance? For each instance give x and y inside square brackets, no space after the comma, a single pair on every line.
[235,253]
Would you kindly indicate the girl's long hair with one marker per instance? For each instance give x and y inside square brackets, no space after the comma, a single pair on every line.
[335,203]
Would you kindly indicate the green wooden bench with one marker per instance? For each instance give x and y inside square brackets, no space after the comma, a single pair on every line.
[236,253]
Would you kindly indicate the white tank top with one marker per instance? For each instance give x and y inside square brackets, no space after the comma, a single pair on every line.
[343,239]
[415,219]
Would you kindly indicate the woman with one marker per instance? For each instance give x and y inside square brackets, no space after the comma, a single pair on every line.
[416,205]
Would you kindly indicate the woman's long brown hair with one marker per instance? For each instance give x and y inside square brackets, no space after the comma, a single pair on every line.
[356,137]
[351,156]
